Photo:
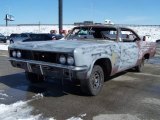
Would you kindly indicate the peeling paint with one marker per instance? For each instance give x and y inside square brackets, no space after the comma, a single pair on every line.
[123,55]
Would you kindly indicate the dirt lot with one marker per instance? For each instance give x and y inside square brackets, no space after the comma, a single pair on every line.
[126,96]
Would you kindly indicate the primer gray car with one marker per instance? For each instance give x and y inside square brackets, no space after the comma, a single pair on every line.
[89,55]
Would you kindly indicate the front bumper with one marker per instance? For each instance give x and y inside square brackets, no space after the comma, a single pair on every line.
[51,69]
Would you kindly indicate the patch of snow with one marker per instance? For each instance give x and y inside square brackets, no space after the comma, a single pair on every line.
[151,101]
[3,95]
[78,118]
[38,96]
[17,111]
[3,47]
[116,117]
[83,115]
[20,110]
[75,118]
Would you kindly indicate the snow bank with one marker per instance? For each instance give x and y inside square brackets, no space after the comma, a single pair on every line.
[34,29]
[153,31]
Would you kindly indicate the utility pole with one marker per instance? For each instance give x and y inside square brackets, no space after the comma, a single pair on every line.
[60,16]
[6,19]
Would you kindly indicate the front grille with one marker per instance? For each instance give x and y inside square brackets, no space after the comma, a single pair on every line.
[39,56]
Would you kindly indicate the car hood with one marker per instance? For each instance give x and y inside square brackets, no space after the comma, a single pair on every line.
[55,46]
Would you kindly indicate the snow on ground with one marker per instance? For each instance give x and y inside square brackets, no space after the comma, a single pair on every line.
[21,110]
[153,31]
[34,29]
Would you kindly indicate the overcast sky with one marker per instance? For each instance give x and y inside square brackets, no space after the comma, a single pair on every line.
[46,11]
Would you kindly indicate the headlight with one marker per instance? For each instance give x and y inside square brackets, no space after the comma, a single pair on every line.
[14,54]
[19,55]
[62,59]
[70,60]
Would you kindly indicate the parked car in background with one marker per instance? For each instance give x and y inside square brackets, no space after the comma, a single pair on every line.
[3,38]
[158,41]
[13,36]
[56,36]
[88,56]
[19,37]
[28,37]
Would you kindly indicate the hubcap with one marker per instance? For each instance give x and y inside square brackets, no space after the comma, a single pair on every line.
[96,78]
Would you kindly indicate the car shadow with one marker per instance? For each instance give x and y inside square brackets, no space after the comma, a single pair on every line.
[53,88]
[49,88]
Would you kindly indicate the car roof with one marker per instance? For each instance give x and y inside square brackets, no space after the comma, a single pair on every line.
[102,26]
[98,26]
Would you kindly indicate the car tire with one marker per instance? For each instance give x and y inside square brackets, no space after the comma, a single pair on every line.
[94,84]
[11,41]
[34,78]
[4,41]
[139,68]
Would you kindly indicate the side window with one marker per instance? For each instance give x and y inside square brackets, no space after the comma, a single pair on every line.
[24,35]
[46,37]
[110,34]
[128,36]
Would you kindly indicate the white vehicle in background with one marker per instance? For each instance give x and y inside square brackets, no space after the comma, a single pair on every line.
[149,38]
[108,22]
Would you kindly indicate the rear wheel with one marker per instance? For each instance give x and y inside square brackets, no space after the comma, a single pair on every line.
[139,68]
[4,41]
[34,78]
[94,84]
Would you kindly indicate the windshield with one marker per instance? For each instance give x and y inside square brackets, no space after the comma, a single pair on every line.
[14,35]
[99,33]
[1,34]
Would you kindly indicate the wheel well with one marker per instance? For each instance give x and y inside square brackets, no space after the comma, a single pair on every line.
[106,66]
[147,56]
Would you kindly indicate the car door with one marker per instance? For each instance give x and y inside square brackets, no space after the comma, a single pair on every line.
[128,43]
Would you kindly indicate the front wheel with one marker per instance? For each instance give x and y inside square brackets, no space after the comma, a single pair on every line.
[94,84]
[34,78]
[11,41]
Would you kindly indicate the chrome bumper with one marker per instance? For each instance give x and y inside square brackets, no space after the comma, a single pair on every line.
[40,63]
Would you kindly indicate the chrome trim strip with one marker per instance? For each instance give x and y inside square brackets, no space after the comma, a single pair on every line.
[29,67]
[73,68]
[41,70]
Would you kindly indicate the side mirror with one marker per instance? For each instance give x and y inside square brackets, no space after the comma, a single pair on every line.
[144,38]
